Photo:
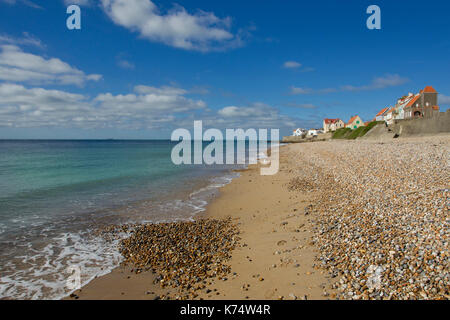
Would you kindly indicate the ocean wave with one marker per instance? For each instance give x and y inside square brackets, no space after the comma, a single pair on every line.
[45,274]
[40,270]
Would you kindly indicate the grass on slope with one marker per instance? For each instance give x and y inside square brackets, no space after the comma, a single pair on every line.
[341,133]
[347,133]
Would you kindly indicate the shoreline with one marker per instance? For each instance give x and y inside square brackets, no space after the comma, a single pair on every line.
[274,252]
[123,276]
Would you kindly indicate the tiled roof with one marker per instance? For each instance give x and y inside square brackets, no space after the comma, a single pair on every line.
[429,89]
[329,121]
[413,101]
[382,112]
[352,119]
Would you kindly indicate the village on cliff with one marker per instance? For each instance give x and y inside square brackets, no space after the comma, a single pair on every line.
[411,106]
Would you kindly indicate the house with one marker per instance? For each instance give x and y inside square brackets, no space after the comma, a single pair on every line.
[399,109]
[354,123]
[332,124]
[389,117]
[312,133]
[299,132]
[424,104]
[412,107]
[380,115]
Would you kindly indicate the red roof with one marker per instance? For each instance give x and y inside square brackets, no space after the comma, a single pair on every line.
[381,112]
[352,119]
[429,89]
[329,121]
[413,100]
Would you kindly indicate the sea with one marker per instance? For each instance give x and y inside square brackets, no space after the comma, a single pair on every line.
[55,195]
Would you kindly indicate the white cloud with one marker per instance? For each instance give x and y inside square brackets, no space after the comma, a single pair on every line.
[390,80]
[26,39]
[202,31]
[164,90]
[255,115]
[292,65]
[19,66]
[233,112]
[125,64]
[298,90]
[151,100]
[301,105]
[22,107]
[444,100]
[25,2]
[376,84]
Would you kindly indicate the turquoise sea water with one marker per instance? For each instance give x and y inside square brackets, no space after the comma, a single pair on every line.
[54,194]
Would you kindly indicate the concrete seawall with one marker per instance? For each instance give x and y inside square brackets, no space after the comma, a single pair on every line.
[440,123]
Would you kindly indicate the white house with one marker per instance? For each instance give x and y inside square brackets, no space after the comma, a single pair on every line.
[401,104]
[380,115]
[312,133]
[389,117]
[299,132]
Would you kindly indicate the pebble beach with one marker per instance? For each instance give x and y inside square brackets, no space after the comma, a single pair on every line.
[341,220]
[381,218]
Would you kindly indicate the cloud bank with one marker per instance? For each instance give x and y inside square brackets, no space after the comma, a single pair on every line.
[201,31]
[147,107]
[19,66]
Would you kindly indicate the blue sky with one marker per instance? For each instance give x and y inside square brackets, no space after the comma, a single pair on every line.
[141,68]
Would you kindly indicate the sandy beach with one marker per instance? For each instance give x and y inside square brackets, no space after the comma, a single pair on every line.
[340,220]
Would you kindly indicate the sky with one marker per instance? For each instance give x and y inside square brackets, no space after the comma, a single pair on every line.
[138,69]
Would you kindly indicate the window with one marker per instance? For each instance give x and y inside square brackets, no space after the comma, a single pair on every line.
[357,122]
